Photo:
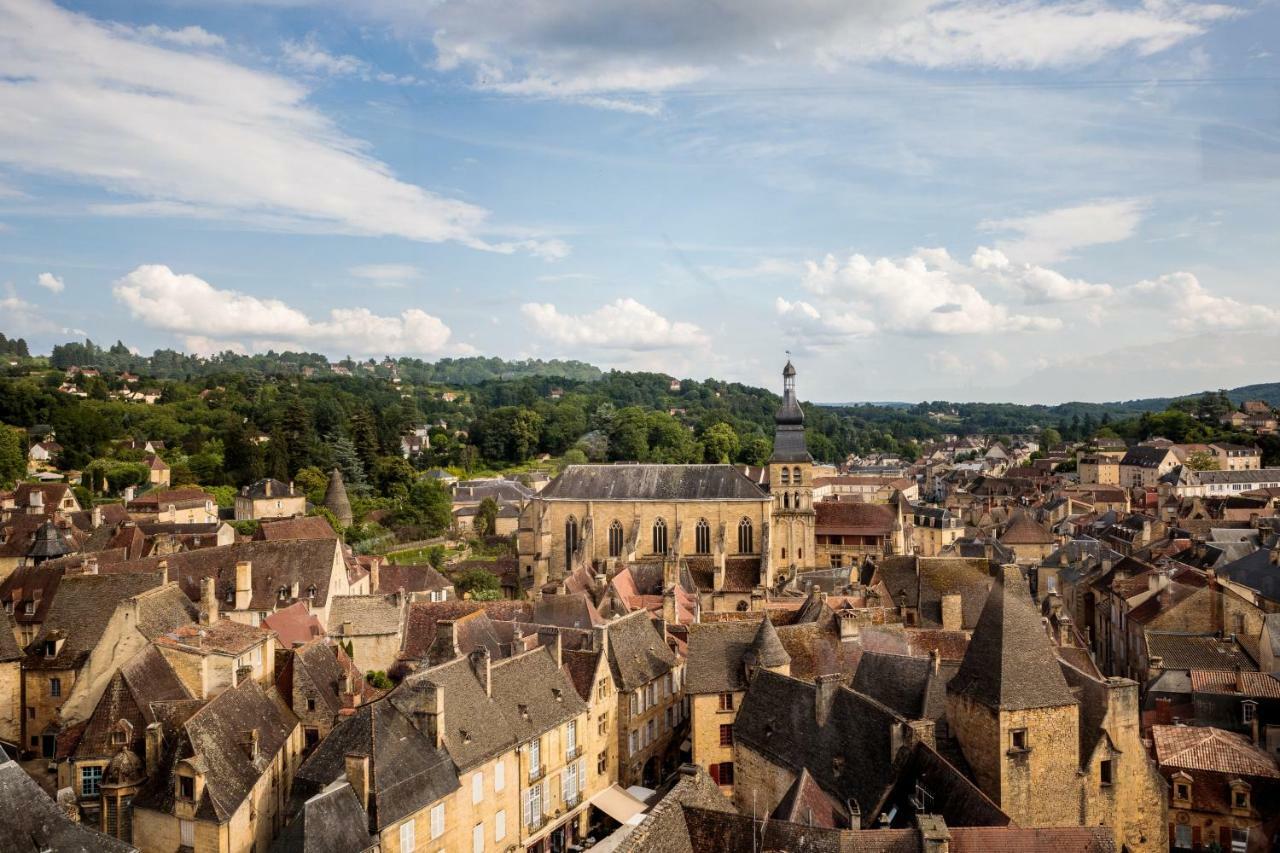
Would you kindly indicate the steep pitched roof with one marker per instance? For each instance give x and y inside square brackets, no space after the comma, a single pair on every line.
[1010,662]
[1205,748]
[300,527]
[1022,529]
[715,656]
[30,820]
[335,498]
[652,482]
[80,614]
[332,821]
[637,651]
[766,649]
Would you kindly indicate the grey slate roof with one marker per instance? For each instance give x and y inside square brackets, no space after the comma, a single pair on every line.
[905,683]
[407,771]
[766,649]
[637,651]
[333,821]
[368,614]
[1197,651]
[1145,457]
[715,656]
[652,483]
[1010,662]
[1256,571]
[30,821]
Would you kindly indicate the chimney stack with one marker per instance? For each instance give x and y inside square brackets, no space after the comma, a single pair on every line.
[433,710]
[208,602]
[481,666]
[375,575]
[128,494]
[669,605]
[826,694]
[154,747]
[550,637]
[35,500]
[90,565]
[244,584]
[163,566]
[95,516]
[951,611]
[357,767]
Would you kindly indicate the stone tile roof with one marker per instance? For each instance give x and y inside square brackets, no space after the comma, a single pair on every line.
[1197,651]
[225,637]
[664,828]
[475,729]
[332,821]
[275,564]
[1010,662]
[9,650]
[1204,748]
[368,614]
[1062,839]
[152,500]
[424,617]
[566,611]
[214,737]
[164,609]
[392,577]
[908,685]
[766,649]
[28,818]
[146,679]
[534,694]
[1022,529]
[407,772]
[949,792]
[652,482]
[715,656]
[637,651]
[806,803]
[302,527]
[80,615]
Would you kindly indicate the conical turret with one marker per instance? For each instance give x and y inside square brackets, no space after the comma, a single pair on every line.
[335,499]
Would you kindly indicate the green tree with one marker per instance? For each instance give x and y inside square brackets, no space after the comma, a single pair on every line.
[720,443]
[428,505]
[364,437]
[755,451]
[629,435]
[486,521]
[312,482]
[1050,438]
[13,455]
[477,582]
[573,456]
[1202,461]
[347,460]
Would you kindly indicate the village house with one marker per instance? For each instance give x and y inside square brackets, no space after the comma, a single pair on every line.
[186,505]
[269,498]
[1144,465]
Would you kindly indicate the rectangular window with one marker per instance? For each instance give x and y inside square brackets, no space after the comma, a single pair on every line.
[477,787]
[55,686]
[1018,738]
[1248,709]
[535,758]
[602,763]
[726,734]
[570,782]
[1239,840]
[571,738]
[635,742]
[602,723]
[90,778]
[477,838]
[726,701]
[500,825]
[500,775]
[186,787]
[1105,772]
[1182,836]
[437,821]
[407,839]
[635,703]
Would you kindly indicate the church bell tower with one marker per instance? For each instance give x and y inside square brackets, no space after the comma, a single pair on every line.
[791,535]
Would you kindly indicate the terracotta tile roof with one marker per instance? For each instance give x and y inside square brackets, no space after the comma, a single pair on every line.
[1215,750]
[303,527]
[222,637]
[1260,684]
[853,518]
[1005,839]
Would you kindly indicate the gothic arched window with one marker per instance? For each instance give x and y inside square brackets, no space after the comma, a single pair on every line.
[702,537]
[660,537]
[570,538]
[615,539]
[786,476]
[745,543]
[795,475]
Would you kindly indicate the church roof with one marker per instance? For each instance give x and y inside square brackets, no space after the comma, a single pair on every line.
[1010,662]
[652,482]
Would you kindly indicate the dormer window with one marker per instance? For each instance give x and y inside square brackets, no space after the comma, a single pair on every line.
[1248,710]
[311,591]
[29,609]
[1239,795]
[50,648]
[186,788]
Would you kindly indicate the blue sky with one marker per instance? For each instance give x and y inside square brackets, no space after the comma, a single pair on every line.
[1022,200]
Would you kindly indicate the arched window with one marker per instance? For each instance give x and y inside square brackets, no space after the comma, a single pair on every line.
[659,537]
[615,539]
[786,500]
[570,538]
[702,537]
[745,543]
[786,477]
[795,475]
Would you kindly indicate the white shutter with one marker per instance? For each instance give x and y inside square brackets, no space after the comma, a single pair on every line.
[187,833]
[477,787]
[437,821]
[407,840]
[500,775]
[528,807]
[500,825]
[477,838]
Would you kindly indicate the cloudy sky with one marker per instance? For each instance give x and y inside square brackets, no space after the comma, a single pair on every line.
[1003,199]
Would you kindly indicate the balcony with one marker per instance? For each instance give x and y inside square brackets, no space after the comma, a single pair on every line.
[572,802]
[536,773]
[572,752]
[536,824]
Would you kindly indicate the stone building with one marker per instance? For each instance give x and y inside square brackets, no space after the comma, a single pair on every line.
[270,498]
[649,682]
[731,535]
[187,505]
[10,683]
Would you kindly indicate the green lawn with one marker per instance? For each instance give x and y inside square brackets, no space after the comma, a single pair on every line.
[418,556]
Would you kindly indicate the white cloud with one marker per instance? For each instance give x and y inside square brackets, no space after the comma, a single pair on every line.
[622,324]
[611,48]
[924,293]
[386,275]
[308,56]
[190,36]
[50,282]
[189,306]
[1194,307]
[1040,285]
[195,134]
[806,324]
[1052,235]
[20,316]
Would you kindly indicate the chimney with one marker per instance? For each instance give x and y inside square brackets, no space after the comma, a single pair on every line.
[1239,679]
[480,665]
[249,740]
[935,661]
[208,602]
[95,516]
[827,685]
[267,488]
[244,584]
[1275,553]
[934,835]
[348,628]
[163,566]
[1157,581]
[600,639]
[433,711]
[445,632]
[669,606]
[1211,577]
[550,637]
[128,494]
[35,500]
[154,742]
[951,611]
[375,575]
[849,627]
[357,767]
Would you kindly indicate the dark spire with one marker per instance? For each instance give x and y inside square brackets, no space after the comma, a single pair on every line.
[335,499]
[766,649]
[49,543]
[788,435]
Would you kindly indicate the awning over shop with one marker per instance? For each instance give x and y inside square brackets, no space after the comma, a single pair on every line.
[617,803]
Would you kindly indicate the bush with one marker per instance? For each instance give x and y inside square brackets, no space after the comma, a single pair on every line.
[378,679]
[479,583]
